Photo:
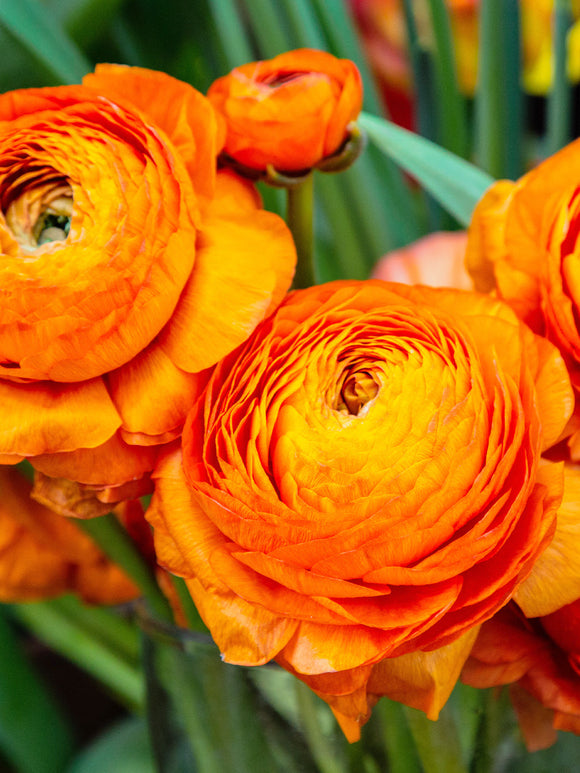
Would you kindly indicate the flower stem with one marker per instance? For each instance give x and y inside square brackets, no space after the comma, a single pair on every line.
[111,537]
[437,743]
[322,748]
[299,216]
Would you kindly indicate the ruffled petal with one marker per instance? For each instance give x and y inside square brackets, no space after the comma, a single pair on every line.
[244,266]
[45,417]
[555,577]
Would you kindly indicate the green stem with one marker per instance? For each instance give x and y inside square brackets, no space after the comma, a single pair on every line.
[322,748]
[114,632]
[114,541]
[560,98]
[437,743]
[299,216]
[399,746]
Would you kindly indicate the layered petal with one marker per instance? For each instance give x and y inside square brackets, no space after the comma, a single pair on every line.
[365,468]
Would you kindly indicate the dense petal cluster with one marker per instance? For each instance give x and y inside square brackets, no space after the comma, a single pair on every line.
[116,243]
[364,469]
[290,112]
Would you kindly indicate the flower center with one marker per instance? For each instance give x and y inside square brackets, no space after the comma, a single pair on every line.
[41,215]
[358,388]
[280,79]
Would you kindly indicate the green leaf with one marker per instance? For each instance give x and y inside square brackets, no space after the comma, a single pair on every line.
[205,715]
[33,733]
[560,97]
[125,748]
[34,27]
[450,104]
[437,743]
[498,100]
[455,183]
[69,637]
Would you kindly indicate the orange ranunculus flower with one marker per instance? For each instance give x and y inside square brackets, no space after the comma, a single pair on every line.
[524,244]
[43,555]
[361,480]
[126,267]
[535,646]
[437,260]
[291,111]
[542,671]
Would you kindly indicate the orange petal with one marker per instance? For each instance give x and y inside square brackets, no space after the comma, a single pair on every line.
[423,680]
[152,394]
[111,464]
[555,578]
[535,720]
[487,233]
[437,260]
[46,417]
[244,266]
[181,111]
[66,497]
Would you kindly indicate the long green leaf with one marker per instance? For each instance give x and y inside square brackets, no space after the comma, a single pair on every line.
[498,100]
[125,748]
[560,98]
[450,103]
[74,642]
[455,183]
[232,35]
[33,733]
[34,27]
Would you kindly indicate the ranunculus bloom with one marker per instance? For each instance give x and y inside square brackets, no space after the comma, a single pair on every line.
[43,555]
[126,266]
[539,654]
[437,260]
[524,243]
[543,674]
[291,111]
[361,480]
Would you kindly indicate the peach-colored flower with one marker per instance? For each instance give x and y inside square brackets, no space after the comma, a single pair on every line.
[126,267]
[290,112]
[437,260]
[360,480]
